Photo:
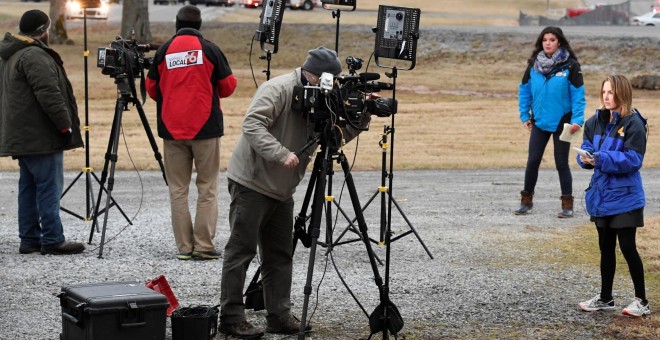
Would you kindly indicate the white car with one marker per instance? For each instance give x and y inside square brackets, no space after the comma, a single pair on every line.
[95,9]
[648,19]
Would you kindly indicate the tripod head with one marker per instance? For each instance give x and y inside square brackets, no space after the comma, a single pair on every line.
[125,86]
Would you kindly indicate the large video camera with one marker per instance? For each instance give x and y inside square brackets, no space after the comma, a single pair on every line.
[344,97]
[124,58]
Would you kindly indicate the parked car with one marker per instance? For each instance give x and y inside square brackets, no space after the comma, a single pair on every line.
[305,5]
[226,3]
[251,3]
[168,2]
[648,19]
[211,2]
[572,12]
[95,9]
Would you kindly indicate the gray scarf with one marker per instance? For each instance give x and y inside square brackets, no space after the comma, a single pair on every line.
[545,64]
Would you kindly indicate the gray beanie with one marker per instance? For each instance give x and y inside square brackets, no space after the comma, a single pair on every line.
[189,16]
[34,23]
[322,60]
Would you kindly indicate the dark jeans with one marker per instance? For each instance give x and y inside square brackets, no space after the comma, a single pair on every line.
[39,191]
[538,140]
[256,219]
[607,242]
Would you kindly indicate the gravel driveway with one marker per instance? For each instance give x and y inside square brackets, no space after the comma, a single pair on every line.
[482,281]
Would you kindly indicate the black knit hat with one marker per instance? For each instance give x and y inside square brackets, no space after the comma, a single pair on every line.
[322,60]
[189,16]
[34,23]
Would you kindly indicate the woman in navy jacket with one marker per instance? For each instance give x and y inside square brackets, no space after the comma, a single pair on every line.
[616,139]
[551,94]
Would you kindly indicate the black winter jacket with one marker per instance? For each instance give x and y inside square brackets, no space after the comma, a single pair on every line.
[36,100]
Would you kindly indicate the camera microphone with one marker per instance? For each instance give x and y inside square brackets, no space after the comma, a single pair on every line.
[378,86]
[148,47]
[368,76]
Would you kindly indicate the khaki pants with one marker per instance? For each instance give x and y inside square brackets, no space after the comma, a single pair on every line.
[179,158]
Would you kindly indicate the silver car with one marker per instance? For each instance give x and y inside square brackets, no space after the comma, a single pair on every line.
[648,19]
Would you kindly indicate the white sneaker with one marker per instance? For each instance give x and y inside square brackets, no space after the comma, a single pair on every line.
[636,308]
[595,304]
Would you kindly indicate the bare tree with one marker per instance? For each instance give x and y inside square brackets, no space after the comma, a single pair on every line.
[135,17]
[57,14]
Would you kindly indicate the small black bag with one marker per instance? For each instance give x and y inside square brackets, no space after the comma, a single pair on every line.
[254,294]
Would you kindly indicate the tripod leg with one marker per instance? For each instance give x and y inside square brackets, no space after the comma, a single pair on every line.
[150,136]
[89,194]
[111,180]
[412,229]
[301,218]
[320,168]
[386,314]
[355,200]
[114,133]
[351,225]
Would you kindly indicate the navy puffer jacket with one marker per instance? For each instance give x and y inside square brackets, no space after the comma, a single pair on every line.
[618,148]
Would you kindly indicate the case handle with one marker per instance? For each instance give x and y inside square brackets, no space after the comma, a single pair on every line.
[137,314]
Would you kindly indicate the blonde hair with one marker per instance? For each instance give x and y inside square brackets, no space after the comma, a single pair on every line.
[622,93]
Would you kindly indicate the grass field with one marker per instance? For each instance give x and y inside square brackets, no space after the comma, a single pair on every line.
[457,109]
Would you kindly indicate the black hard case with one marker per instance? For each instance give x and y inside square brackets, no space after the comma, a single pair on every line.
[111,311]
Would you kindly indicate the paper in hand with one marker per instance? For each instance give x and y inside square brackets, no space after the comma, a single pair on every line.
[566,135]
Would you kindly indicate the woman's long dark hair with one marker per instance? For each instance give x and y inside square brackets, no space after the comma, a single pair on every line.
[563,43]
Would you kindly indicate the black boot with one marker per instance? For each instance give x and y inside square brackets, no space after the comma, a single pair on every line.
[566,206]
[526,203]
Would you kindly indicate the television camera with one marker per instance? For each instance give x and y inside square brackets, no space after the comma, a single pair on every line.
[345,98]
[124,58]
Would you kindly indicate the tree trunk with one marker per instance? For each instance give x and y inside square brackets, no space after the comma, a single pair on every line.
[135,18]
[57,32]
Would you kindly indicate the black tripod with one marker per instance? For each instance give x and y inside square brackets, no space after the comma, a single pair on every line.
[386,317]
[126,94]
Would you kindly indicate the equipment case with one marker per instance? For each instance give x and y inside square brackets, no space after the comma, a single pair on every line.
[112,310]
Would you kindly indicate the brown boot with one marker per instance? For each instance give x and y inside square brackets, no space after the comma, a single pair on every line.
[566,206]
[526,203]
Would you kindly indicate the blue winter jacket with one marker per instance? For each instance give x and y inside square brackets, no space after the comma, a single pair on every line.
[618,148]
[553,95]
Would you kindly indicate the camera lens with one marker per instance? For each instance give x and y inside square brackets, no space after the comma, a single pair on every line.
[399,16]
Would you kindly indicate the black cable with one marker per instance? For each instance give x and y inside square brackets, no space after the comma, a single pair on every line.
[254,78]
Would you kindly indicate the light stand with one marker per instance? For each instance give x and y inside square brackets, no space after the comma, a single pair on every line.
[87,170]
[269,30]
[336,6]
[268,34]
[396,38]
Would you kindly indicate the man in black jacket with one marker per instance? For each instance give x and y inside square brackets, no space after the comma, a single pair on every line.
[38,121]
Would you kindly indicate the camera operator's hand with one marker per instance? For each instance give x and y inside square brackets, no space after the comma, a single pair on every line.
[291,161]
[373,96]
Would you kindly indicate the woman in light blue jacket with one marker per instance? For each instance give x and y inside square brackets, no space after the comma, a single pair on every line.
[551,94]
